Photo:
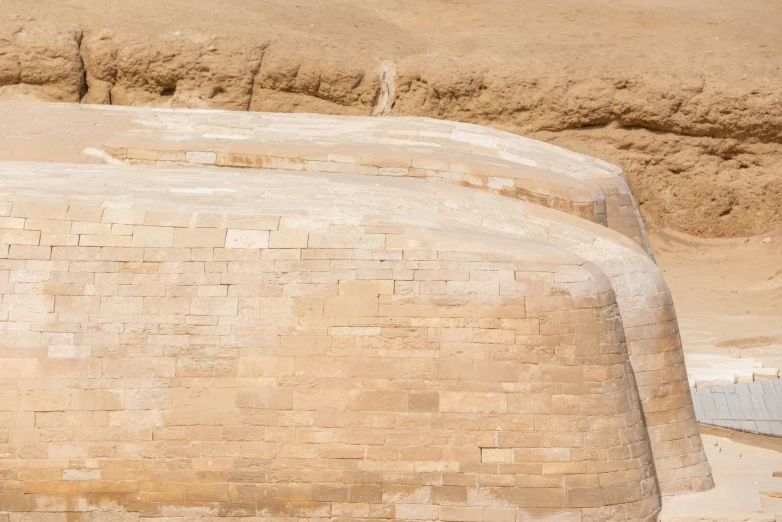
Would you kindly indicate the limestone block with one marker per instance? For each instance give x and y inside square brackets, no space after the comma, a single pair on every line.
[247,239]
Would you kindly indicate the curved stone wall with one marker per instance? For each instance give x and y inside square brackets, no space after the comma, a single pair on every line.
[418,148]
[672,426]
[469,155]
[326,356]
[507,358]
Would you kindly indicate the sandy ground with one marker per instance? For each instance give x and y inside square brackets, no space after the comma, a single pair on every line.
[651,34]
[741,474]
[727,292]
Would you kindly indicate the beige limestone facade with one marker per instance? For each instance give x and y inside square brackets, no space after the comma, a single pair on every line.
[246,344]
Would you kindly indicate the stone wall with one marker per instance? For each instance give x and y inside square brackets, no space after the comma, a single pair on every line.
[382,150]
[170,352]
[469,155]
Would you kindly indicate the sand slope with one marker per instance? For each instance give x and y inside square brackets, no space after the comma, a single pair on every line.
[728,295]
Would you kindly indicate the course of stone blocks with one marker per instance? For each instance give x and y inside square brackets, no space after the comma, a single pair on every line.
[221,343]
[452,152]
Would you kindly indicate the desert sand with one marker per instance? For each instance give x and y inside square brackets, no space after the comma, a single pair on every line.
[728,294]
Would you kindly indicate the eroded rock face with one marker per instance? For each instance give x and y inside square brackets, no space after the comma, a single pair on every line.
[692,117]
[41,62]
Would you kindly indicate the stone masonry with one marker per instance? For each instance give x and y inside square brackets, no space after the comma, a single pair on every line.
[469,155]
[192,343]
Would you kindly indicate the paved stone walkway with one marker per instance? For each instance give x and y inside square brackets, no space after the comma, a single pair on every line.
[751,406]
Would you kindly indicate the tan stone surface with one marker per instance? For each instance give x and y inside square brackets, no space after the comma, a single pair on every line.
[311,381]
[467,155]
[650,324]
[172,187]
[387,340]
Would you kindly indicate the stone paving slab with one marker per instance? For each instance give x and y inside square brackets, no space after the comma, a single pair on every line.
[749,406]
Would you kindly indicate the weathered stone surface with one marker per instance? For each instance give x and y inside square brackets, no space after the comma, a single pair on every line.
[467,155]
[220,342]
